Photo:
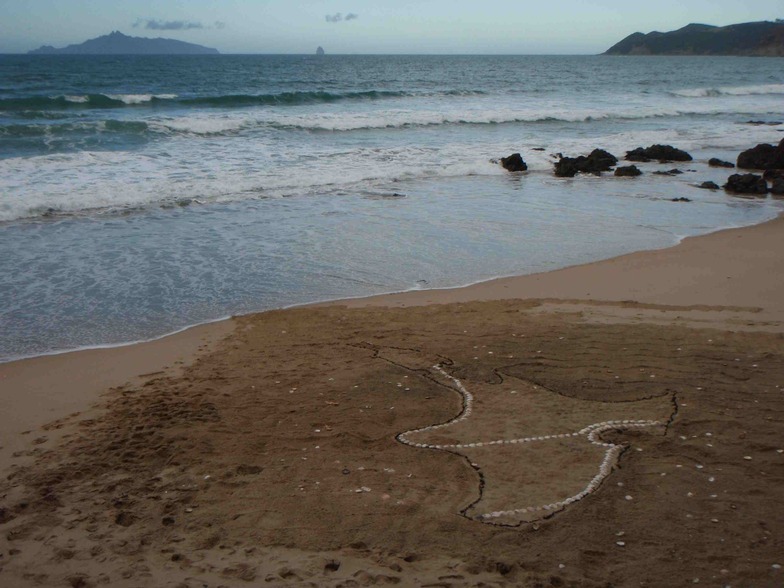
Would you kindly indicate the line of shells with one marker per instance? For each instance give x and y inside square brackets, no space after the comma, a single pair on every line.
[591,432]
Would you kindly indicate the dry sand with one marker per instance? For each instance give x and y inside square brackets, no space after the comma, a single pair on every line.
[616,424]
[35,392]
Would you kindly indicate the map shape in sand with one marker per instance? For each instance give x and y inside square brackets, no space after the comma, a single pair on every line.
[536,451]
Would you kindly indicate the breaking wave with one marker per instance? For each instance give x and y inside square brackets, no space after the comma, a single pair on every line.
[96,101]
[730,91]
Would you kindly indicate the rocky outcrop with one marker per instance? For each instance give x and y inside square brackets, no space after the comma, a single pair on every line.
[747,184]
[714,162]
[629,171]
[763,156]
[514,163]
[596,162]
[709,186]
[777,187]
[662,153]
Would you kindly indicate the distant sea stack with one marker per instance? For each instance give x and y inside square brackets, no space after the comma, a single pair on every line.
[763,39]
[320,51]
[118,44]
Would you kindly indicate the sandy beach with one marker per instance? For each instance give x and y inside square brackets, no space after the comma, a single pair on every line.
[613,424]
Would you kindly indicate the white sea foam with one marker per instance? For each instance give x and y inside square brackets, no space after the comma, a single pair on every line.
[759,90]
[213,170]
[402,118]
[140,98]
[202,124]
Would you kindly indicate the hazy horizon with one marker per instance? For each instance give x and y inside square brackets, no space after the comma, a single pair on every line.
[372,27]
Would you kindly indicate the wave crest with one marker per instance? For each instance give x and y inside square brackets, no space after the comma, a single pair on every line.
[767,89]
[91,101]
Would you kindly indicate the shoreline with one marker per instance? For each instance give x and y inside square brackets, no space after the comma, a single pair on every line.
[685,277]
[83,375]
[104,346]
[372,298]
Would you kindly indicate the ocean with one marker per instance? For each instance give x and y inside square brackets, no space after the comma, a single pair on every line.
[141,195]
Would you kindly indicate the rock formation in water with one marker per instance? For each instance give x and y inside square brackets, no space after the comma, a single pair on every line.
[661,153]
[763,156]
[514,163]
[596,162]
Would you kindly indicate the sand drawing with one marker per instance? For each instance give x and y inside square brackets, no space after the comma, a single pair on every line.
[536,451]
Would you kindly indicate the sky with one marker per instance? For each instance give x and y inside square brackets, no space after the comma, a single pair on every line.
[368,26]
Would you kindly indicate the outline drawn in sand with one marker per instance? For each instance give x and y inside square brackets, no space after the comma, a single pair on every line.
[591,432]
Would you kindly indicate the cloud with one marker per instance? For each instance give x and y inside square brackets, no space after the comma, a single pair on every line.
[153,24]
[338,17]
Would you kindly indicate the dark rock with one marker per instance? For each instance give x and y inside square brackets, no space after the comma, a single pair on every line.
[596,162]
[777,187]
[763,156]
[672,172]
[662,153]
[566,167]
[538,149]
[773,174]
[714,162]
[759,123]
[709,186]
[628,171]
[681,199]
[746,184]
[601,160]
[514,163]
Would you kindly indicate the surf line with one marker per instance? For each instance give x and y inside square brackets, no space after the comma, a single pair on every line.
[591,432]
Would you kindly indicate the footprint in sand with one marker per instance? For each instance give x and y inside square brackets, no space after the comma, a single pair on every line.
[538,452]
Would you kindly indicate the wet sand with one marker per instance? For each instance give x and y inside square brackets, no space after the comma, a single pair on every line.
[611,424]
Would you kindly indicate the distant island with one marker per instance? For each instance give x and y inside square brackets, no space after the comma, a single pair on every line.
[118,44]
[320,51]
[764,39]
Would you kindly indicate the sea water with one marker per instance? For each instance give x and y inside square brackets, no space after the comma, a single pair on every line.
[140,195]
